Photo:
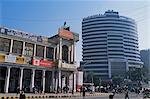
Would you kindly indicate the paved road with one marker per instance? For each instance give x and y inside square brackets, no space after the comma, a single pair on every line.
[117,96]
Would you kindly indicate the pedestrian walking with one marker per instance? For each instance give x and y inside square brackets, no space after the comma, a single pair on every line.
[83,90]
[111,96]
[18,90]
[22,95]
[126,95]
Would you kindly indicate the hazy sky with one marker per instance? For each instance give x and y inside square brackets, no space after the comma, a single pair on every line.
[44,17]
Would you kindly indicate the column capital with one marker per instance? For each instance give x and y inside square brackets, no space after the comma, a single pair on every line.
[33,69]
[22,68]
[44,70]
[9,67]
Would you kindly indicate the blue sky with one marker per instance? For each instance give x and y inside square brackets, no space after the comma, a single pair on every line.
[44,17]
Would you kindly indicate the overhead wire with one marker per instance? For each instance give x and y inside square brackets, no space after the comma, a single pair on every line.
[72,19]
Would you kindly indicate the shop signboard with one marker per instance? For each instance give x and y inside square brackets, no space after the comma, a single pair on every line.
[42,62]
[2,58]
[20,60]
[35,62]
[10,58]
[68,66]
[46,63]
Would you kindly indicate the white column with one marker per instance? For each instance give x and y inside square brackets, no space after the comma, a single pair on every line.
[63,82]
[34,54]
[60,52]
[7,79]
[60,62]
[69,54]
[75,52]
[44,52]
[53,80]
[59,79]
[43,81]
[71,81]
[11,45]
[75,81]
[23,49]
[32,78]
[56,84]
[57,54]
[54,54]
[72,51]
[21,78]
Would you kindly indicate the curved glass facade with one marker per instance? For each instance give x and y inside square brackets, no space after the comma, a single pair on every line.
[108,40]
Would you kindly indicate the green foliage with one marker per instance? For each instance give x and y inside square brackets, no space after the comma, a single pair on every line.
[117,80]
[137,74]
[89,76]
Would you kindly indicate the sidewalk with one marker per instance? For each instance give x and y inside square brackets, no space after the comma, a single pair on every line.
[46,95]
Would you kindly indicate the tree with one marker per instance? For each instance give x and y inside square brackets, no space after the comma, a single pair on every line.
[89,77]
[137,74]
[117,80]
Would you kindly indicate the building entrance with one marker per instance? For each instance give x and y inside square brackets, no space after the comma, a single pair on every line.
[26,80]
[2,78]
[38,80]
[14,80]
[48,82]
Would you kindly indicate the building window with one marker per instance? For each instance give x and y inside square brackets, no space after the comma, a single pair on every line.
[65,53]
[4,44]
[17,47]
[40,51]
[49,52]
[28,49]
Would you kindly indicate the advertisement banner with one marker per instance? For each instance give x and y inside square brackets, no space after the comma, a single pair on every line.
[2,58]
[43,62]
[10,58]
[20,60]
[35,62]
[46,63]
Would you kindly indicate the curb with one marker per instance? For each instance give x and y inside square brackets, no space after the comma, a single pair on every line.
[54,96]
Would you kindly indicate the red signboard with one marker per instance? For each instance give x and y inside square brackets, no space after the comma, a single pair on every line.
[65,34]
[35,62]
[42,62]
[46,63]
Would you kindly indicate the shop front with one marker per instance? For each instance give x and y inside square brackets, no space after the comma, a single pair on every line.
[2,78]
